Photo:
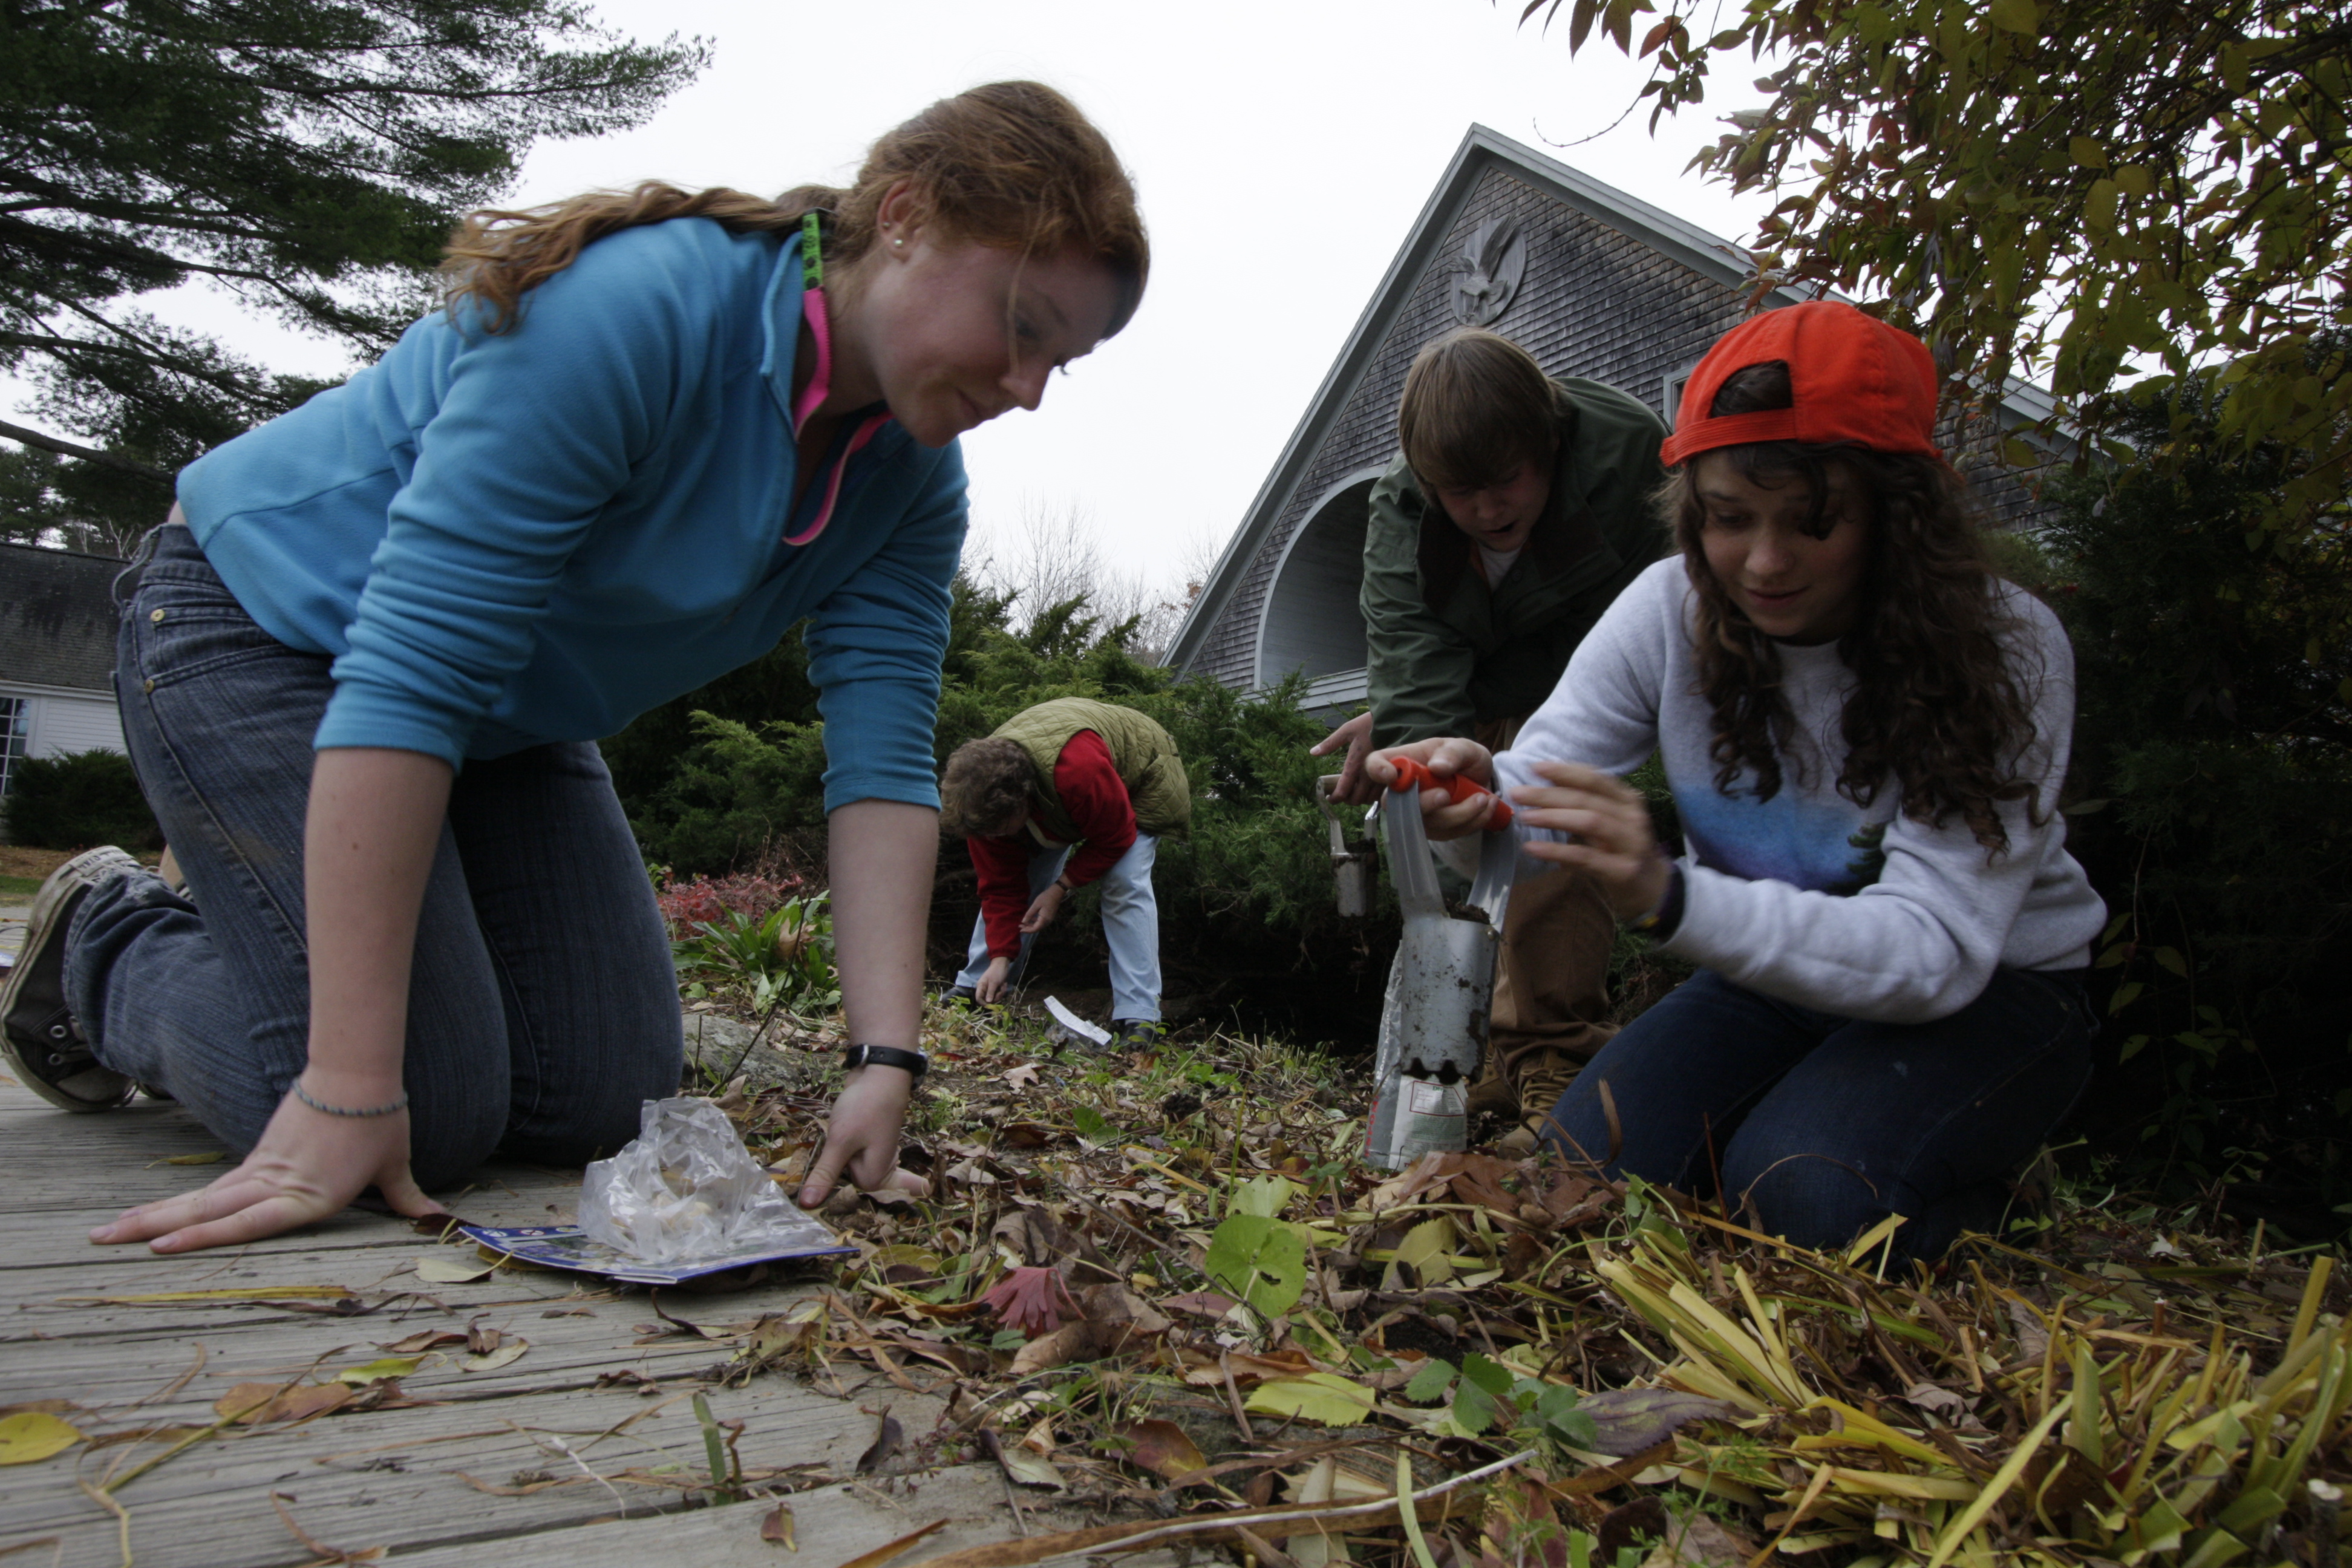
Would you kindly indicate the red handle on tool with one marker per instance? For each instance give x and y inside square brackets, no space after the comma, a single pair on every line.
[1416,776]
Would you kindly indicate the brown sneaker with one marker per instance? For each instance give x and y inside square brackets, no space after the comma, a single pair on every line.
[1541,1075]
[1492,1093]
[36,1029]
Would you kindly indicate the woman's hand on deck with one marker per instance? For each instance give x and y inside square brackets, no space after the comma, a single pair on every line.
[862,1138]
[1614,841]
[306,1166]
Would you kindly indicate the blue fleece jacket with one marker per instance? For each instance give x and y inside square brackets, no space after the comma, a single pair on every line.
[508,538]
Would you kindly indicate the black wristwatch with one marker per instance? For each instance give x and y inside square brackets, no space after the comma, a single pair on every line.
[915,1062]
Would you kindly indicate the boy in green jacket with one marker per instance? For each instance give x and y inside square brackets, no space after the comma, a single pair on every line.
[1519,509]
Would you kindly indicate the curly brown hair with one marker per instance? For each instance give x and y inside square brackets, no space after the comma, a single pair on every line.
[1936,703]
[987,784]
[1013,164]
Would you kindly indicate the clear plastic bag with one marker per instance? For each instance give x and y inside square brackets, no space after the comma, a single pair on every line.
[685,1188]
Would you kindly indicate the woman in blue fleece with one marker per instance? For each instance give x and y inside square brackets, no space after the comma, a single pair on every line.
[363,683]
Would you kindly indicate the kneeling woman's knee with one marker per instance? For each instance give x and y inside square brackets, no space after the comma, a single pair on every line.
[449,1136]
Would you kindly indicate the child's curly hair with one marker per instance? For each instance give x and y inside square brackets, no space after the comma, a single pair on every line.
[1936,704]
[987,784]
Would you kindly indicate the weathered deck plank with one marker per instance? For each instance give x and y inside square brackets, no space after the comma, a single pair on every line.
[396,1478]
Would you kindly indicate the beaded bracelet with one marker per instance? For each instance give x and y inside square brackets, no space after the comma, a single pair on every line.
[304,1096]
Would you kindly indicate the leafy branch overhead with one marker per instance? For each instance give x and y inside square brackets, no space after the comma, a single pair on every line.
[309,155]
[2094,192]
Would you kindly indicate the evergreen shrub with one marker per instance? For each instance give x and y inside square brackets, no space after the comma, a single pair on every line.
[78,801]
[2211,802]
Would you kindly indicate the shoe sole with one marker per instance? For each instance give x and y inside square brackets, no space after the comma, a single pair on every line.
[56,894]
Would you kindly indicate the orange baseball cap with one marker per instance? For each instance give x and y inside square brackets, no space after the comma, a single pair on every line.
[1853,379]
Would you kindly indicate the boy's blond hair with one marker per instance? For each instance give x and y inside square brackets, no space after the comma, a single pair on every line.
[1475,406]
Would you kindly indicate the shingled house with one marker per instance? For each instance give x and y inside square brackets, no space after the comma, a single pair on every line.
[56,655]
[1590,281]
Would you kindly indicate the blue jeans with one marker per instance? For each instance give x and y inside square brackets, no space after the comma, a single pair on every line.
[1130,919]
[543,1005]
[1826,1124]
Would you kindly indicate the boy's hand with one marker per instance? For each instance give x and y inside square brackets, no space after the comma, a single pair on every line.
[1040,914]
[1449,756]
[992,984]
[1356,737]
[1613,839]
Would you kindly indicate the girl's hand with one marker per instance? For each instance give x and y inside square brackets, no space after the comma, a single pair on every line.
[992,984]
[308,1165]
[1041,913]
[862,1138]
[1448,757]
[1610,821]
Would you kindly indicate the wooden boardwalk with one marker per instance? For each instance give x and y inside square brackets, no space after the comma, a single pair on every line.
[572,1454]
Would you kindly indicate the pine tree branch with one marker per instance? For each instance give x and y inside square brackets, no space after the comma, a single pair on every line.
[87,454]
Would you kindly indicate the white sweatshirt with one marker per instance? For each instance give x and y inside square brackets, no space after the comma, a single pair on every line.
[1859,911]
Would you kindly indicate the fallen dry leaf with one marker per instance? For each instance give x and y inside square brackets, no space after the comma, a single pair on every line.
[1023,1077]
[887,1436]
[1072,1342]
[258,1403]
[441,1269]
[1164,1448]
[778,1528]
[33,1435]
[1028,1468]
[508,1352]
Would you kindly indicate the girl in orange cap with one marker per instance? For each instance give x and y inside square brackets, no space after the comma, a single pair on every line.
[1865,732]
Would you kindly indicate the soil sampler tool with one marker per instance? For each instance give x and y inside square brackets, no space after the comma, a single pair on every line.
[1433,1016]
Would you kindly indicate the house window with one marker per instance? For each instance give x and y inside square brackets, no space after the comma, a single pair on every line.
[16,724]
[1670,393]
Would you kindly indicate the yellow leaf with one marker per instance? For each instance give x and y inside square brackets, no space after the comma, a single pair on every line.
[32,1437]
[2099,206]
[1425,1247]
[1322,1396]
[244,1293]
[439,1269]
[377,1371]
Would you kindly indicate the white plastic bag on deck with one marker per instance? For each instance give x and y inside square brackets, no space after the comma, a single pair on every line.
[685,1188]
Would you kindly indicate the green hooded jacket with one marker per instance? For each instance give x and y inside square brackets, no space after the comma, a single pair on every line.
[1445,652]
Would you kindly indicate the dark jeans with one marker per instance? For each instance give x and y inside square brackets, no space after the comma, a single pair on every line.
[543,1005]
[1826,1124]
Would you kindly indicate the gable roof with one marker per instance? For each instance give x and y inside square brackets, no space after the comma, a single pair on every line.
[1714,264]
[57,618]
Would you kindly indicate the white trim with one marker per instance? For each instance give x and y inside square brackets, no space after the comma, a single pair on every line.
[29,688]
[1274,578]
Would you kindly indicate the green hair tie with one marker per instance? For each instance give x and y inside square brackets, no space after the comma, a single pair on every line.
[811,249]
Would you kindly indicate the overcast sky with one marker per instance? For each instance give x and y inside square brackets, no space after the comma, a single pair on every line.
[1282,148]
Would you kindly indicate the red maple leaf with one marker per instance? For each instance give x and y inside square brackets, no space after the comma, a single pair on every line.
[1032,1300]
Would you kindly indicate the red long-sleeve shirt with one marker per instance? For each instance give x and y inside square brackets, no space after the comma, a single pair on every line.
[1094,799]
